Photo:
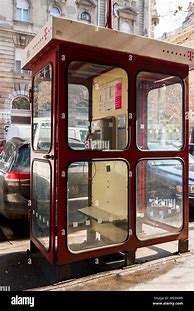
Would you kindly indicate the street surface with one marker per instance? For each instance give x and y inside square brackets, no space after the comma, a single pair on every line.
[158,267]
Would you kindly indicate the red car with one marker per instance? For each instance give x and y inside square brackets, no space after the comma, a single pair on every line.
[15,178]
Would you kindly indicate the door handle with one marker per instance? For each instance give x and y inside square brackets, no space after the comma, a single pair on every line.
[48,157]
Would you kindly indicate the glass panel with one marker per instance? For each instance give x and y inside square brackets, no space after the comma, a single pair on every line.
[21,102]
[99,116]
[41,201]
[159,112]
[42,107]
[18,14]
[25,15]
[159,198]
[97,207]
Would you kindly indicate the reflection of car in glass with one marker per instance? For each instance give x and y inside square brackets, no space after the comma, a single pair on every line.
[77,172]
[191,148]
[19,130]
[42,135]
[77,188]
[169,145]
[78,179]
[78,133]
[164,180]
[15,178]
[76,144]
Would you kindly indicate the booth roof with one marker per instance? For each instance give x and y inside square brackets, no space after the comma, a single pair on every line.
[65,30]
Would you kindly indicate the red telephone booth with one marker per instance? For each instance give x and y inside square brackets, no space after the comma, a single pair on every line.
[109,168]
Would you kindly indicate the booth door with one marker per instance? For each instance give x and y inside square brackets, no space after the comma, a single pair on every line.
[43,178]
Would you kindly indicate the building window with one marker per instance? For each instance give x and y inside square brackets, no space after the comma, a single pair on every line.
[85,16]
[125,27]
[55,11]
[20,113]
[21,102]
[22,10]
[18,61]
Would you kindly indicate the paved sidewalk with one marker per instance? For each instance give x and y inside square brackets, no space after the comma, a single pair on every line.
[157,267]
[174,272]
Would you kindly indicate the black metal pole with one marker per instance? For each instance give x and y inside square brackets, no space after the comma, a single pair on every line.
[109,14]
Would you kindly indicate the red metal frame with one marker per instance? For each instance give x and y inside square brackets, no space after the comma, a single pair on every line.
[132,155]
[64,154]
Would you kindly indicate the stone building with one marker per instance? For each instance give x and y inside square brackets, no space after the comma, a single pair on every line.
[20,20]
[185,36]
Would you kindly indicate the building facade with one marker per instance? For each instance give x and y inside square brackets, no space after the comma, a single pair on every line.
[21,20]
[185,36]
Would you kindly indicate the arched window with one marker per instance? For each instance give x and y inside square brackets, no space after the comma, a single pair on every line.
[21,102]
[20,112]
[85,16]
[55,11]
[22,10]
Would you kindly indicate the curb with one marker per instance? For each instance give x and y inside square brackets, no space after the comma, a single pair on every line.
[133,274]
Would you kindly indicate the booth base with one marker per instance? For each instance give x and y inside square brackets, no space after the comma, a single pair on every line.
[94,265]
[57,273]
[183,246]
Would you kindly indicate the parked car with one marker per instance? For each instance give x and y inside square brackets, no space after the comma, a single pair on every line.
[78,133]
[19,130]
[15,178]
[42,132]
[76,144]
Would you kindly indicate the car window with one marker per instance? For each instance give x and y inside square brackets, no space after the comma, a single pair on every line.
[22,163]
[7,156]
[83,134]
[71,133]
[76,144]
